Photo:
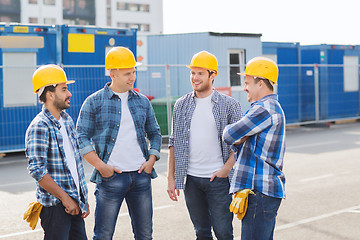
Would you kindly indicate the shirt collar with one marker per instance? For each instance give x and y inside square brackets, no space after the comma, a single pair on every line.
[214,97]
[47,114]
[110,93]
[267,97]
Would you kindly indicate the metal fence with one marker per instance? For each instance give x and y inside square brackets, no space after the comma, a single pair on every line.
[307,93]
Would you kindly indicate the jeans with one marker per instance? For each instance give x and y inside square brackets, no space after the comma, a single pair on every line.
[208,205]
[58,225]
[259,220]
[110,193]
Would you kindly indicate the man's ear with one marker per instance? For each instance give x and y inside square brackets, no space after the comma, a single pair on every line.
[261,83]
[112,73]
[49,94]
[212,77]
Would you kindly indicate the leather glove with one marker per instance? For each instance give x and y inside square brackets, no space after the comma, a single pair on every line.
[32,214]
[239,203]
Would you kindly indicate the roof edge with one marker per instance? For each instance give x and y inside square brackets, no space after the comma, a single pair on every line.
[235,34]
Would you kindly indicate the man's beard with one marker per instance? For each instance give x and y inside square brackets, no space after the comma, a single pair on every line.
[61,105]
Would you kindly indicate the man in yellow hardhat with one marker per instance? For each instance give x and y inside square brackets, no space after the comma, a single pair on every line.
[113,125]
[199,161]
[260,139]
[54,160]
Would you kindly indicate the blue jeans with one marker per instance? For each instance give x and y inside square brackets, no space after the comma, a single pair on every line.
[110,193]
[208,205]
[259,220]
[58,225]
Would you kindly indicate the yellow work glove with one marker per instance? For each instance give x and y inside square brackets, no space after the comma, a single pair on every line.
[32,214]
[239,203]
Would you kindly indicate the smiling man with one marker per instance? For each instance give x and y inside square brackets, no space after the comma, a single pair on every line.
[113,125]
[259,140]
[199,161]
[54,158]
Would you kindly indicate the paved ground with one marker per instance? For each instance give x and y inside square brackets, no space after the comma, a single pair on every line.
[322,167]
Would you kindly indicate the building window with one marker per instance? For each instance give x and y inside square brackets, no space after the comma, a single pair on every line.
[50,21]
[144,28]
[49,2]
[133,7]
[139,26]
[33,20]
[108,16]
[121,6]
[33,1]
[237,64]
[80,12]
[144,8]
[5,2]
[9,6]
[68,7]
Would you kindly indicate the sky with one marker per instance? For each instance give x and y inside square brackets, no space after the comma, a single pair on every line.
[305,21]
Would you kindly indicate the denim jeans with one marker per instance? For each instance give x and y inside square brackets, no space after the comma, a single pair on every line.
[259,220]
[135,188]
[58,225]
[208,206]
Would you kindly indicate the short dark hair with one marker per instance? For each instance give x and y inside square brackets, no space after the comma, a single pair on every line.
[42,97]
[266,81]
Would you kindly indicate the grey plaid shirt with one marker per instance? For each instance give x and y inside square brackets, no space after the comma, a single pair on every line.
[226,110]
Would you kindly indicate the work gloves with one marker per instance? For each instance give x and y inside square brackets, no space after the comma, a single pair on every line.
[239,203]
[32,214]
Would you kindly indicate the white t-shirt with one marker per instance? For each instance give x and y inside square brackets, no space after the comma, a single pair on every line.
[69,154]
[205,150]
[126,154]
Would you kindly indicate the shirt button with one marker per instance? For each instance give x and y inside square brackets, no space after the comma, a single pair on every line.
[119,112]
[119,100]
[108,152]
[118,125]
[113,139]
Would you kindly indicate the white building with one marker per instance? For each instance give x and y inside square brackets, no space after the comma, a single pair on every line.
[146,15]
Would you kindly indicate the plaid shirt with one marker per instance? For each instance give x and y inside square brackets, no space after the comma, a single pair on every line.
[226,110]
[45,152]
[99,122]
[260,158]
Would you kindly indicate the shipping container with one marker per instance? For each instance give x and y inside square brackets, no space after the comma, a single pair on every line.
[79,50]
[338,67]
[287,56]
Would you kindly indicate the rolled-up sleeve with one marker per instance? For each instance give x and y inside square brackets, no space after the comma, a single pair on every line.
[85,127]
[255,121]
[174,117]
[36,149]
[152,130]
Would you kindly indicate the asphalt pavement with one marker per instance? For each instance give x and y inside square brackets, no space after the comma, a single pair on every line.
[322,166]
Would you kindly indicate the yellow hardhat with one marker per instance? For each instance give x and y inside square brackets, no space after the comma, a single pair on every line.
[205,60]
[120,57]
[47,75]
[262,67]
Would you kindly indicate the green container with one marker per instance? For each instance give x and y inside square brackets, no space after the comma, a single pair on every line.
[160,109]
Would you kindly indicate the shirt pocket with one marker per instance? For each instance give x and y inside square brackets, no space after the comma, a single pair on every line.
[140,117]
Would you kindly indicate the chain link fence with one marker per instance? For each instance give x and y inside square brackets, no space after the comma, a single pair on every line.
[308,93]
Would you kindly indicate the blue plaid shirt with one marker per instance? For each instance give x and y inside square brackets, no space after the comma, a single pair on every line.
[226,110]
[45,152]
[260,158]
[99,122]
